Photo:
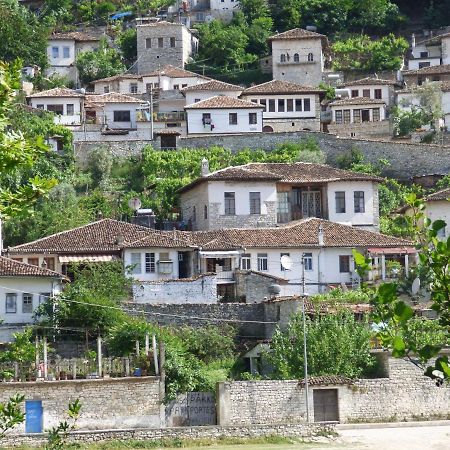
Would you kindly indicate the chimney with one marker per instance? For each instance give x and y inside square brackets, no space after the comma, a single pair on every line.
[413,40]
[204,168]
[120,239]
[321,235]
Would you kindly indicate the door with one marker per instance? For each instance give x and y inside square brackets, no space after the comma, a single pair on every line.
[311,204]
[33,416]
[183,265]
[326,405]
[365,115]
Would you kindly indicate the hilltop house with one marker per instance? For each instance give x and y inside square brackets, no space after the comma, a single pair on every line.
[298,56]
[433,51]
[211,88]
[287,106]
[431,73]
[267,194]
[373,88]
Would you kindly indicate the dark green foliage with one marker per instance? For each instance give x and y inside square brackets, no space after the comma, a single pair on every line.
[11,414]
[127,41]
[57,438]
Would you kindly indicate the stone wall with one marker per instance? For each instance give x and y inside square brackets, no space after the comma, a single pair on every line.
[363,129]
[254,287]
[202,289]
[209,432]
[402,396]
[106,403]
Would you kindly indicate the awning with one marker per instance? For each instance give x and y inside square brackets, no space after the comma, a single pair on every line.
[86,258]
[392,250]
[230,254]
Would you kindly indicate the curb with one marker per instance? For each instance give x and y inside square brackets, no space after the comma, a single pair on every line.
[362,426]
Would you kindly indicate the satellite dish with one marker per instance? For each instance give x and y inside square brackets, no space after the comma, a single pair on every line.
[286,262]
[134,203]
[415,286]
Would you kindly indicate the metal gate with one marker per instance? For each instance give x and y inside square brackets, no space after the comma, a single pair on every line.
[326,405]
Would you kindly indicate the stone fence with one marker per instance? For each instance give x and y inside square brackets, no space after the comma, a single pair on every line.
[209,432]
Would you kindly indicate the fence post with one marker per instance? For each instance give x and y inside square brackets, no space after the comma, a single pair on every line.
[36,357]
[16,371]
[74,368]
[155,355]
[147,343]
[99,355]
[137,347]
[162,380]
[127,366]
[45,359]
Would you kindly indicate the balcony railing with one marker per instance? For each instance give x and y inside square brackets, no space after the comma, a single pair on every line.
[225,277]
[163,117]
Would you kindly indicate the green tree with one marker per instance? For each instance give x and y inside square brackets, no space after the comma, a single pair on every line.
[337,344]
[127,41]
[101,63]
[405,122]
[11,414]
[58,435]
[254,9]
[23,35]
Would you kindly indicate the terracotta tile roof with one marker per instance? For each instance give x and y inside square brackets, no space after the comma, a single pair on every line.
[174,72]
[444,194]
[223,102]
[443,68]
[122,76]
[111,97]
[299,173]
[299,234]
[213,85]
[326,380]
[281,87]
[357,101]
[159,23]
[435,40]
[164,239]
[11,268]
[95,237]
[79,36]
[370,81]
[56,92]
[443,85]
[297,33]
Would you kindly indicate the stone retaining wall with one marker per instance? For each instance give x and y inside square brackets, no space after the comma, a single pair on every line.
[209,432]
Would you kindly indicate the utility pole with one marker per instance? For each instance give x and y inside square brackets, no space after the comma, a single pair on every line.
[151,112]
[305,353]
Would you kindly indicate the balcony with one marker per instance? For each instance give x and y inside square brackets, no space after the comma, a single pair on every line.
[163,117]
[226,276]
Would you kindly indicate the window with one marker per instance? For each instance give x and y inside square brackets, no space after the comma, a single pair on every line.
[340,202]
[148,87]
[424,64]
[252,118]
[27,303]
[70,109]
[230,206]
[17,259]
[106,89]
[283,207]
[196,100]
[376,114]
[11,304]
[184,85]
[133,88]
[122,116]
[338,116]
[282,57]
[172,42]
[346,116]
[263,102]
[66,52]
[289,104]
[205,212]
[176,87]
[344,263]
[357,115]
[254,100]
[40,106]
[55,52]
[378,94]
[365,115]
[308,261]
[148,43]
[281,105]
[296,57]
[262,262]
[366,93]
[306,104]
[160,42]
[33,261]
[57,109]
[355,93]
[310,57]
[246,261]
[135,263]
[164,256]
[424,54]
[255,202]
[358,197]
[271,105]
[50,263]
[206,119]
[232,118]
[298,104]
[43,297]
[281,256]
[149,263]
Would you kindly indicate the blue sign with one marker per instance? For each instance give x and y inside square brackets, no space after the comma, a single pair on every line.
[33,416]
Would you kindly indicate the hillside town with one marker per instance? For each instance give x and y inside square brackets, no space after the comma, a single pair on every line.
[224,223]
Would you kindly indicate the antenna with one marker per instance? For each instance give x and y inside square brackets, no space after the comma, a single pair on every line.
[286,262]
[134,203]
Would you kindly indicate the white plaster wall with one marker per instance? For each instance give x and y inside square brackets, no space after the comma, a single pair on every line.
[223,9]
[439,210]
[109,114]
[445,50]
[125,86]
[20,285]
[370,107]
[64,119]
[217,189]
[220,120]
[446,107]
[434,56]
[349,187]
[60,60]
[360,88]
[192,97]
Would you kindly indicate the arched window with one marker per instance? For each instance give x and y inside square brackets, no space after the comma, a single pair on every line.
[282,57]
[296,57]
[310,57]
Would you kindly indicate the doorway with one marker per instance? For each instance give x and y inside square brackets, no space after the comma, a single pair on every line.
[326,405]
[183,265]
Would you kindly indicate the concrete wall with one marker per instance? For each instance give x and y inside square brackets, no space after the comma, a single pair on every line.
[106,403]
[202,290]
[63,119]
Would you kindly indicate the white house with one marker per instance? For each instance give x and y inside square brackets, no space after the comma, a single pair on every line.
[298,56]
[223,115]
[127,83]
[269,194]
[208,89]
[66,104]
[433,51]
[425,74]
[287,106]
[62,50]
[224,9]
[373,88]
[359,117]
[23,288]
